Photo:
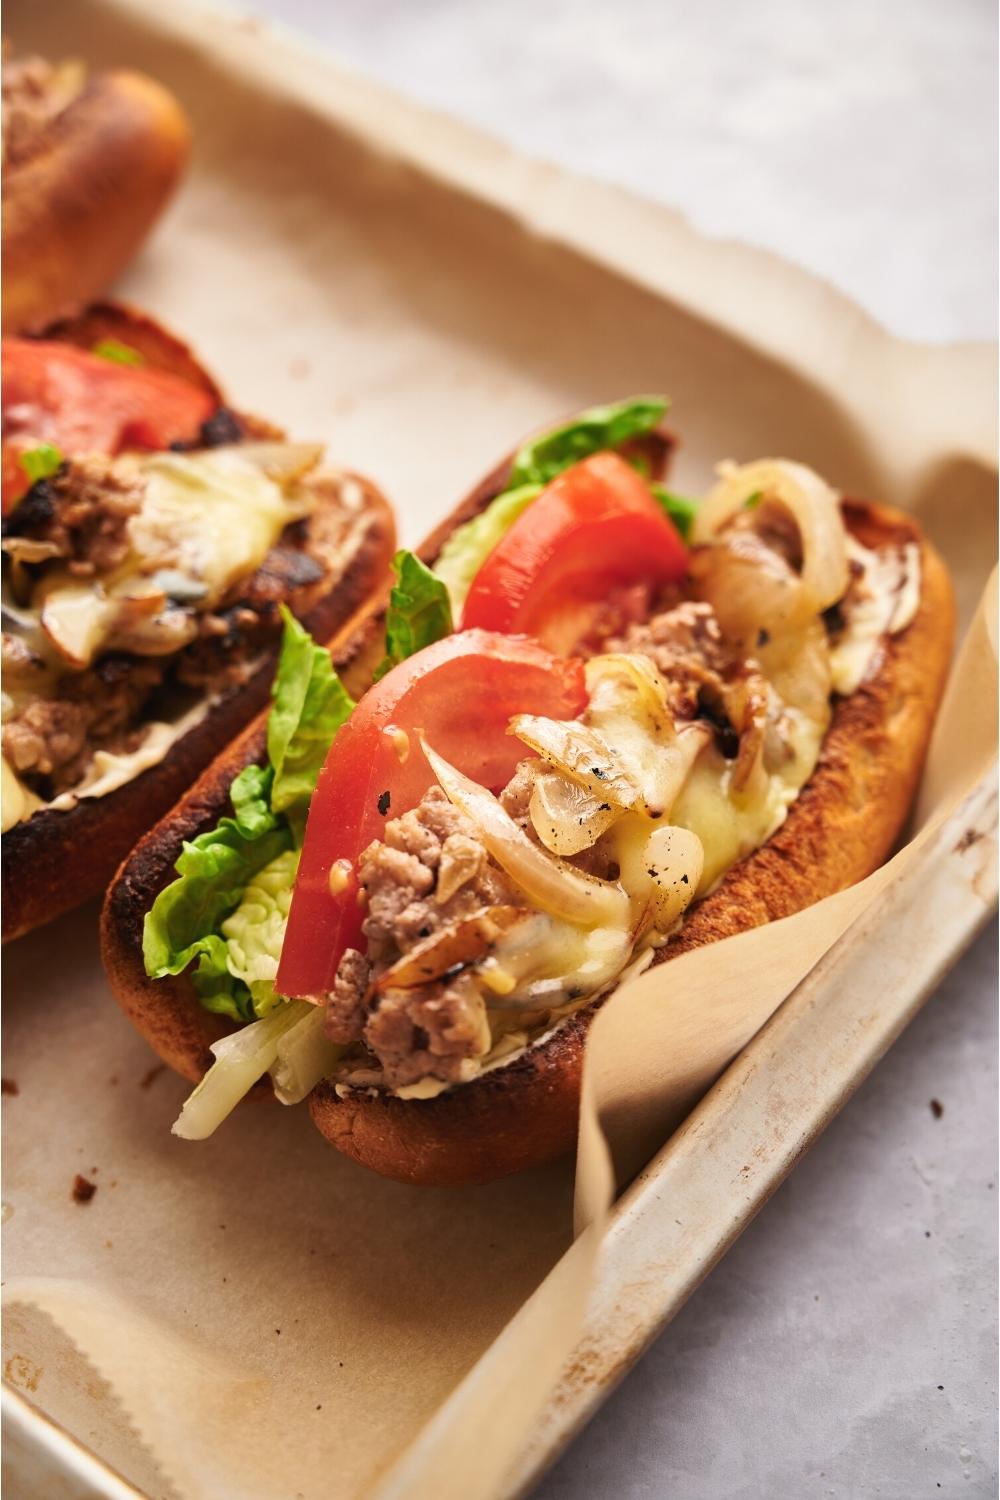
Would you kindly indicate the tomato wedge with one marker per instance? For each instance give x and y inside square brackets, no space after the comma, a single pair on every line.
[595,527]
[462,692]
[80,403]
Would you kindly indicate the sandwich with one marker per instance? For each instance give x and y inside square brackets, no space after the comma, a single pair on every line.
[604,724]
[151,536]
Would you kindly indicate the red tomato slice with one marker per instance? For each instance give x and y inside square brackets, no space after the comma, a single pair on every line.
[593,529]
[80,403]
[461,692]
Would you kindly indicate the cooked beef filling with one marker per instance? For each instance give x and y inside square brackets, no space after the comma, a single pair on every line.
[55,718]
[428,873]
[81,513]
[52,742]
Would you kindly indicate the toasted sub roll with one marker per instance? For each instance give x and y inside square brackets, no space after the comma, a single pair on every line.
[57,858]
[524,1112]
[842,826]
[81,193]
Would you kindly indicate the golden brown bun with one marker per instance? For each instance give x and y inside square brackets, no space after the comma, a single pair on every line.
[79,205]
[56,860]
[842,827]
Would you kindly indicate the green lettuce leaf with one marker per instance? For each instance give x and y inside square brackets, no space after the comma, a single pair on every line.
[213,871]
[226,911]
[118,353]
[540,460]
[41,462]
[465,551]
[678,508]
[310,704]
[419,611]
[255,931]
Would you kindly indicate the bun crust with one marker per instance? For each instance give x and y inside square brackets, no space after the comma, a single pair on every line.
[524,1113]
[77,208]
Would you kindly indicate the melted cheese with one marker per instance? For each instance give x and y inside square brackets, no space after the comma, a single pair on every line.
[211,516]
[206,520]
[731,826]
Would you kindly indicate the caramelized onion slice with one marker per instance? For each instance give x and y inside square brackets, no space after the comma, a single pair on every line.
[582,754]
[28,549]
[78,617]
[547,882]
[814,506]
[566,817]
[662,869]
[627,753]
[754,593]
[461,942]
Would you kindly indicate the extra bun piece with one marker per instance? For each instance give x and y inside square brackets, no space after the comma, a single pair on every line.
[79,204]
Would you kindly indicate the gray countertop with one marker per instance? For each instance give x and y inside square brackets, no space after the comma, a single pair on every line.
[846,1346]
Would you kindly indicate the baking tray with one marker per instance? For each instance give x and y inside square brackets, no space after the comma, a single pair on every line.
[417,295]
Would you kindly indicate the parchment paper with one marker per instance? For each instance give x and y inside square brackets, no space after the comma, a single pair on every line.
[258,1317]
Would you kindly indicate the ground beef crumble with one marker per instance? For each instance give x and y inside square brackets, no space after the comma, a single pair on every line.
[428,872]
[82,512]
[705,678]
[52,741]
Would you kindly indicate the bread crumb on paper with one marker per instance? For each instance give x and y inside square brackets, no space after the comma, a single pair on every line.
[83,1189]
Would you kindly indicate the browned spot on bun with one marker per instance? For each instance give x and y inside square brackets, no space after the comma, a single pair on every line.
[80,204]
